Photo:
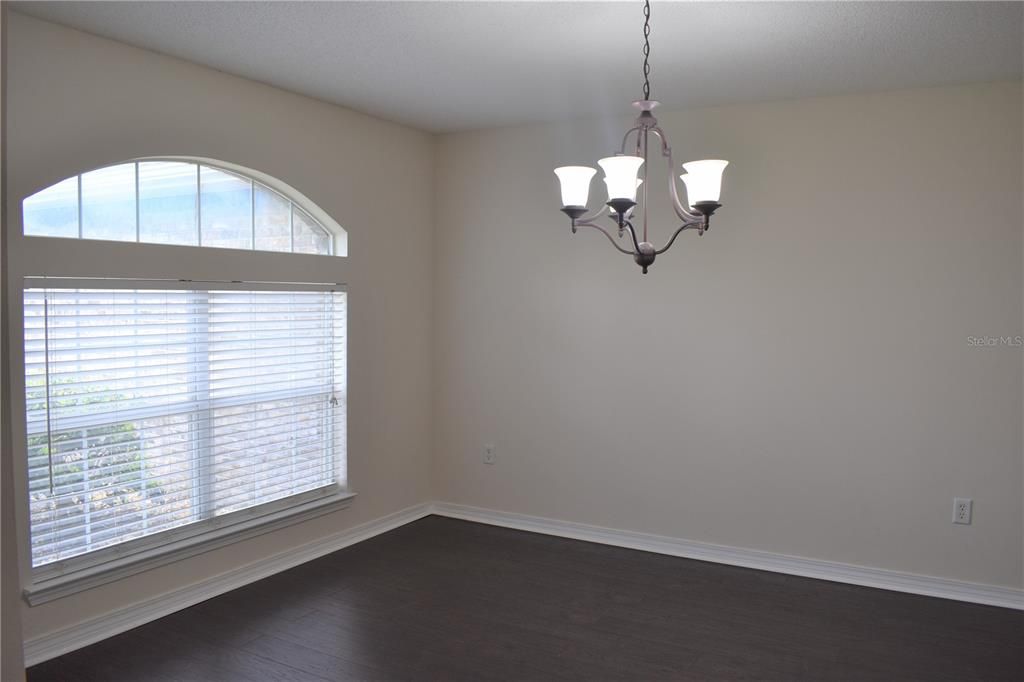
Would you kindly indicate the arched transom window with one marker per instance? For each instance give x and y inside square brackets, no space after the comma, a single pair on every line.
[175,202]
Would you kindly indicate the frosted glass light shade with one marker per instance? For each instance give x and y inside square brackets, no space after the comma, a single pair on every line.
[575,182]
[620,176]
[703,180]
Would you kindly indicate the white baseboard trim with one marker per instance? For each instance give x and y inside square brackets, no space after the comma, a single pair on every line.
[881,578]
[50,645]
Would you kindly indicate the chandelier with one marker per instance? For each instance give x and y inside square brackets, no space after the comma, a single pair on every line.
[625,175]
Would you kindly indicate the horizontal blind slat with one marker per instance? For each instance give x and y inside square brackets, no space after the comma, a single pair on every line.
[72,521]
[303,403]
[153,465]
[158,462]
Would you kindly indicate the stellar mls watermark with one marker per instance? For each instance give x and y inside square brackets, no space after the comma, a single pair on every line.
[996,341]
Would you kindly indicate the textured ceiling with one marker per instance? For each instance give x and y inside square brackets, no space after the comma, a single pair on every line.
[445,66]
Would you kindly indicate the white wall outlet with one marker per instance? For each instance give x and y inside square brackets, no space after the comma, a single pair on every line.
[490,457]
[962,507]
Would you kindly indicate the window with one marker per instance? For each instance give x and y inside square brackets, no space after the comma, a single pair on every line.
[174,202]
[172,404]
[152,409]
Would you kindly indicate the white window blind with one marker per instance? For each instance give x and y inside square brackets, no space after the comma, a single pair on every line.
[149,410]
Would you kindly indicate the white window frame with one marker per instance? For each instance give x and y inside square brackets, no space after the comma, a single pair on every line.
[61,260]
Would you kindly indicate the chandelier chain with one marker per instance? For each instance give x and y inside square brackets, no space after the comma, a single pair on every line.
[647,49]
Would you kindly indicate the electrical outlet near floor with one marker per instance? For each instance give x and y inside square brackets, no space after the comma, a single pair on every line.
[962,507]
[490,457]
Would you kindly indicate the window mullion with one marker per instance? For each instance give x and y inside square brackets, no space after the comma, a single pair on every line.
[202,431]
[252,211]
[138,207]
[291,227]
[199,205]
[327,458]
[79,206]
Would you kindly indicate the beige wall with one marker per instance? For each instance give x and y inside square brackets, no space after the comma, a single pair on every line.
[77,101]
[799,380]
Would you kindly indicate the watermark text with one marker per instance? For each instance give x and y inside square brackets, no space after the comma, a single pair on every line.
[995,341]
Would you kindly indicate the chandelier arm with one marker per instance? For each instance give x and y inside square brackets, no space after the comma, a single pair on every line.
[644,137]
[625,138]
[679,230]
[606,234]
[666,151]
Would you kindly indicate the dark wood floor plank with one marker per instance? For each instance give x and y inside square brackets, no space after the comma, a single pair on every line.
[441,599]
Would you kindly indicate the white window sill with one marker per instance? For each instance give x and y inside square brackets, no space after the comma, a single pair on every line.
[53,587]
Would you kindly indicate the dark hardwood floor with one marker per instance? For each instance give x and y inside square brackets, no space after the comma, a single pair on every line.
[441,599]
